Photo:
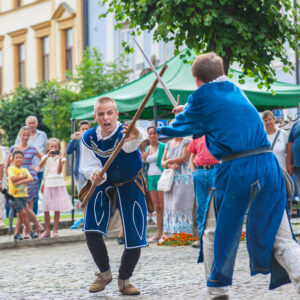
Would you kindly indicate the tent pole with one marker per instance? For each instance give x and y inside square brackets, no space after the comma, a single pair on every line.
[72,170]
[155,114]
[296,50]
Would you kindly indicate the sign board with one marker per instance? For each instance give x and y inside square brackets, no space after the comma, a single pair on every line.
[161,123]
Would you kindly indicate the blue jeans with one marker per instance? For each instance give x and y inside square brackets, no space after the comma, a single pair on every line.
[297,178]
[203,182]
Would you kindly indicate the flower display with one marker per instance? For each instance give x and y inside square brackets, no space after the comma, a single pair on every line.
[243,236]
[178,239]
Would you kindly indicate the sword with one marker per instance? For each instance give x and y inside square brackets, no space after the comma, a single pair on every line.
[157,75]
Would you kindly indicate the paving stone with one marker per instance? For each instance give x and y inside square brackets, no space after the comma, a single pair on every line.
[65,271]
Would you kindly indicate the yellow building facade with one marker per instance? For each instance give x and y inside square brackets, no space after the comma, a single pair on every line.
[39,40]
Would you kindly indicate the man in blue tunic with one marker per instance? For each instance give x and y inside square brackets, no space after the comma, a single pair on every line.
[247,179]
[123,181]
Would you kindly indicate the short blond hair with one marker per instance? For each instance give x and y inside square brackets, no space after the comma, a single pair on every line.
[104,99]
[51,140]
[208,67]
[266,114]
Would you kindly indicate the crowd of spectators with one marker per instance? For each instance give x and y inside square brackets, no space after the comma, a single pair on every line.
[21,174]
[175,211]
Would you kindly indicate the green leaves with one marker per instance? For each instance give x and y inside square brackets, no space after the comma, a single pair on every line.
[92,77]
[14,110]
[251,33]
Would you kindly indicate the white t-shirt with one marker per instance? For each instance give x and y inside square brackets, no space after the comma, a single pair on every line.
[153,168]
[280,146]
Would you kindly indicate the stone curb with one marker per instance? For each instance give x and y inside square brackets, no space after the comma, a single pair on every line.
[77,236]
[62,224]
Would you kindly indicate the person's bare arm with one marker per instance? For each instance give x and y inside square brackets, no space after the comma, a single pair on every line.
[1,176]
[42,163]
[192,164]
[289,158]
[39,155]
[16,179]
[181,159]
[8,163]
[62,159]
[164,161]
[27,180]
[176,110]
[145,154]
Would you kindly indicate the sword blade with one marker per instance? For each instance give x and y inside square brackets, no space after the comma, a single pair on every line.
[170,96]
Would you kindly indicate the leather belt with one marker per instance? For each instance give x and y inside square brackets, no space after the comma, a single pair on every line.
[208,167]
[245,154]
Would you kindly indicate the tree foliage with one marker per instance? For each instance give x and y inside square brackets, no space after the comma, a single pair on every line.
[94,77]
[24,103]
[252,33]
[56,111]
[91,78]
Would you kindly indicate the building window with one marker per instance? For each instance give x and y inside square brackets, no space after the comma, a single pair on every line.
[45,58]
[169,51]
[17,3]
[69,49]
[21,65]
[1,78]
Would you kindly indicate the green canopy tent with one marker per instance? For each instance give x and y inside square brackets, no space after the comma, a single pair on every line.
[178,78]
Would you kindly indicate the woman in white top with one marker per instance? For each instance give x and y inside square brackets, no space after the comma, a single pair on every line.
[278,135]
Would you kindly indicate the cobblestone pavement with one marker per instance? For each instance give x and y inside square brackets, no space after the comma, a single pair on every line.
[65,271]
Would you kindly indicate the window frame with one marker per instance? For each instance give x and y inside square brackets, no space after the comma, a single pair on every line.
[18,37]
[69,51]
[63,26]
[21,75]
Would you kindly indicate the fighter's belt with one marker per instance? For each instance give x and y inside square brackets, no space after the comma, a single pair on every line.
[142,186]
[238,155]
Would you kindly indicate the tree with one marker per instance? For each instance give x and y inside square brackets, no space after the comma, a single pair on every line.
[252,33]
[92,77]
[56,112]
[24,103]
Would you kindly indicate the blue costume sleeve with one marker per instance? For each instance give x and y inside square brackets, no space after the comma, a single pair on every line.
[186,123]
[71,147]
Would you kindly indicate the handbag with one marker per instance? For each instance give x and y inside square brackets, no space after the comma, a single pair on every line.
[165,181]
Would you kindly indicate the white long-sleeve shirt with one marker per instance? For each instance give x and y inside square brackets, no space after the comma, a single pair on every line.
[90,163]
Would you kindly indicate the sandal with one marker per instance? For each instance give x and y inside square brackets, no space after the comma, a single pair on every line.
[45,235]
[25,236]
[55,235]
[154,239]
[40,230]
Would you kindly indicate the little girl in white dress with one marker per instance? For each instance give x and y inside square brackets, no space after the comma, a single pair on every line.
[55,196]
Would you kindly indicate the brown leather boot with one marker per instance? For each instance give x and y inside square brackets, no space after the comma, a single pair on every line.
[101,281]
[221,297]
[126,288]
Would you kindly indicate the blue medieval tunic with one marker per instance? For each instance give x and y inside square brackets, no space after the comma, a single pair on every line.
[231,124]
[130,199]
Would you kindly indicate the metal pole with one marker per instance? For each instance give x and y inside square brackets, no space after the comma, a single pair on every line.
[297,48]
[72,170]
[155,114]
[55,118]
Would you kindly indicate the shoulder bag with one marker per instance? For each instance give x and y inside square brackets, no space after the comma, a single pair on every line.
[166,179]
